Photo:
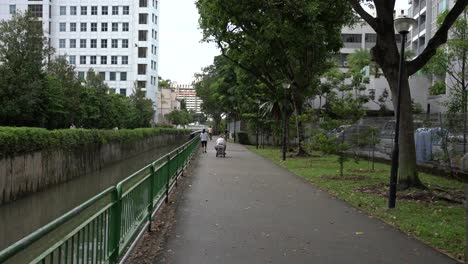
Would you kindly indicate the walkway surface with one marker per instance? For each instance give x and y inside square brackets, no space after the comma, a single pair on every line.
[245,209]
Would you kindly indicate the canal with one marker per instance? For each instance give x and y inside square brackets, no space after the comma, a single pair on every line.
[21,217]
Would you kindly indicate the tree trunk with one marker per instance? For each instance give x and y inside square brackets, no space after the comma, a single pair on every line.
[299,130]
[408,175]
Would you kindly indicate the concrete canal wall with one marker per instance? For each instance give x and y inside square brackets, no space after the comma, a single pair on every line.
[24,174]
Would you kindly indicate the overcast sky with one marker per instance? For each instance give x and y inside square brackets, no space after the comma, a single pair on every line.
[181,54]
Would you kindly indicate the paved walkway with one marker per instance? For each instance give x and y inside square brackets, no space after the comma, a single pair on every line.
[245,209]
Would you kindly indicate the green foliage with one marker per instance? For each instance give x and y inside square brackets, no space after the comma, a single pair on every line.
[23,140]
[179,117]
[243,138]
[51,96]
[23,80]
[437,88]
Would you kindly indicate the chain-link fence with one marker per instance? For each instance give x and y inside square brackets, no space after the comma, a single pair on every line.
[440,139]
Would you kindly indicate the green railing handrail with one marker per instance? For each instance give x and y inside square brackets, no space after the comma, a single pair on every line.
[36,235]
[98,238]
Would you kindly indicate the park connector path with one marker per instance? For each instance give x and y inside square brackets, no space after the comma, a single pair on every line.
[246,209]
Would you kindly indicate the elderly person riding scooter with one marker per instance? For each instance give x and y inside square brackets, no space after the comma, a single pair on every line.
[220,147]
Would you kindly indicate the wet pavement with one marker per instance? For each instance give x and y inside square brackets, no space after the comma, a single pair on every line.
[245,209]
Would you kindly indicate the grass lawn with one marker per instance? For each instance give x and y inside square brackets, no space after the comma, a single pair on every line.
[439,224]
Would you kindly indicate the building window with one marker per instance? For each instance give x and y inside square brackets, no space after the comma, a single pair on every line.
[83,27]
[35,10]
[123,92]
[104,43]
[142,35]
[102,75]
[94,10]
[93,27]
[73,27]
[371,38]
[62,27]
[72,43]
[125,60]
[141,69]
[82,59]
[84,10]
[115,27]
[93,59]
[103,59]
[81,75]
[123,76]
[141,84]
[114,60]
[351,38]
[73,10]
[72,60]
[94,43]
[112,76]
[104,10]
[115,10]
[115,43]
[142,52]
[104,27]
[83,43]
[12,9]
[143,19]
[62,43]
[63,10]
[125,26]
[124,43]
[126,10]
[143,3]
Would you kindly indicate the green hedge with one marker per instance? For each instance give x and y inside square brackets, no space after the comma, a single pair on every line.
[21,140]
[243,138]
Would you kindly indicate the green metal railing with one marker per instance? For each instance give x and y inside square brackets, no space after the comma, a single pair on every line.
[101,229]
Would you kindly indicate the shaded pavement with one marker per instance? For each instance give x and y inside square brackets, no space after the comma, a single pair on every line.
[245,209]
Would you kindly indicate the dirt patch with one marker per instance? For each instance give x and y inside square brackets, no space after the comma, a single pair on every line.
[151,245]
[429,195]
[346,177]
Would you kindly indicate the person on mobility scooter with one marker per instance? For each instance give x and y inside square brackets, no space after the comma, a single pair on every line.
[220,147]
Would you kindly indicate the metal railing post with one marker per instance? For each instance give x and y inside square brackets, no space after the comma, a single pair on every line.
[115,225]
[151,196]
[168,177]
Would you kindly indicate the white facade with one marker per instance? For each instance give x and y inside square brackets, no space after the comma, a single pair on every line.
[426,13]
[117,39]
[187,93]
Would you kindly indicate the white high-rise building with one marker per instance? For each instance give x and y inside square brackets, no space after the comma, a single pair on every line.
[117,39]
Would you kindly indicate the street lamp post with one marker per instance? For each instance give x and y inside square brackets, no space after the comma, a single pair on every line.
[286,87]
[403,25]
[256,122]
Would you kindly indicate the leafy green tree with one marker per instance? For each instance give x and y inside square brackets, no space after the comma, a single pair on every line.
[143,107]
[344,112]
[23,51]
[277,41]
[386,55]
[179,117]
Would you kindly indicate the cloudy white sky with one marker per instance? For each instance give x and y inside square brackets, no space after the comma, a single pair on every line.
[181,54]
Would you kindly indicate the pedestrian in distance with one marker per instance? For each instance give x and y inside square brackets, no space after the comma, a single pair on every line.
[210,132]
[204,140]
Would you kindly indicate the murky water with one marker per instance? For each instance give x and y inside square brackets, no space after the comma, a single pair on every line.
[21,217]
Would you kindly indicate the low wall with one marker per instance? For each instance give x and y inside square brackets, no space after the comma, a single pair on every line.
[33,172]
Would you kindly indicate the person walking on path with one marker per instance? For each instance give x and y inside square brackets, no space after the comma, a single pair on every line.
[204,140]
[210,132]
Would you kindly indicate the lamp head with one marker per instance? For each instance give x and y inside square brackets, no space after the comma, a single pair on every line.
[286,85]
[403,24]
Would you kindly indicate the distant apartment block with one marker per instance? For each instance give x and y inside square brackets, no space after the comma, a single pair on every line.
[118,39]
[187,93]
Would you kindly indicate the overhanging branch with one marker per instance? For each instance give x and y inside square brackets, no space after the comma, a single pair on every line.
[363,14]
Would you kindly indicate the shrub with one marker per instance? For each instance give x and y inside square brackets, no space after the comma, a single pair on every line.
[22,140]
[243,138]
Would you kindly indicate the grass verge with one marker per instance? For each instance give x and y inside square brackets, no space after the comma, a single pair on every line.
[439,224]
